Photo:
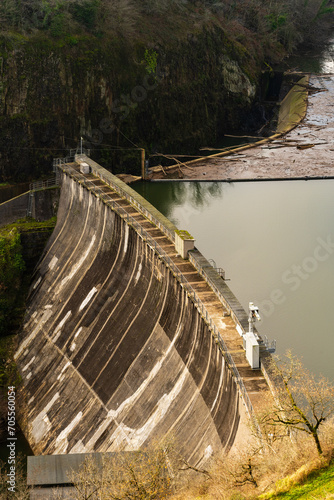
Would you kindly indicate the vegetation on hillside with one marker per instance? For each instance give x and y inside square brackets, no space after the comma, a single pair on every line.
[15,272]
[163,75]
[287,469]
[302,402]
[16,266]
[275,23]
[11,273]
[296,444]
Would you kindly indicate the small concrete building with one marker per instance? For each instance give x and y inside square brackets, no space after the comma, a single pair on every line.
[51,476]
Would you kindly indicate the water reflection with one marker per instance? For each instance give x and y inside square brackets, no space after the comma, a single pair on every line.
[327,62]
[312,62]
[191,197]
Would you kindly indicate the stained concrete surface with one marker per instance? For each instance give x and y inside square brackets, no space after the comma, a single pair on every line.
[113,354]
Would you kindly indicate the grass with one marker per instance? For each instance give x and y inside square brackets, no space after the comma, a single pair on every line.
[28,224]
[318,486]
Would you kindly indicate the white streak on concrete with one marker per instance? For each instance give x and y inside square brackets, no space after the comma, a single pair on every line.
[77,266]
[41,424]
[79,447]
[35,285]
[112,415]
[56,337]
[53,262]
[28,364]
[63,369]
[62,323]
[220,383]
[99,431]
[207,453]
[46,315]
[136,437]
[61,441]
[138,274]
[78,332]
[88,298]
[126,238]
[142,388]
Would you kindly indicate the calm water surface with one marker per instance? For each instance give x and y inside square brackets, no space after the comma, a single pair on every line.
[313,61]
[275,241]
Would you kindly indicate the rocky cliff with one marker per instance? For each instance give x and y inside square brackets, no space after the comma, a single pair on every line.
[167,98]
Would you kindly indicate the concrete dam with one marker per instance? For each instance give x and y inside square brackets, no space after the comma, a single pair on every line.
[116,353]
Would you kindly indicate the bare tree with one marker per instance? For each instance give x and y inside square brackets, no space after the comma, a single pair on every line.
[20,490]
[141,475]
[303,402]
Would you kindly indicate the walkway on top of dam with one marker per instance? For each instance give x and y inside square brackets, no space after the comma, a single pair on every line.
[304,152]
[251,381]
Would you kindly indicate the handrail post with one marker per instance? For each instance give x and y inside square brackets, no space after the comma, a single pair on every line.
[142,157]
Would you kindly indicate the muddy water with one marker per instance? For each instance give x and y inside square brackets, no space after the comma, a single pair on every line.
[275,241]
[312,61]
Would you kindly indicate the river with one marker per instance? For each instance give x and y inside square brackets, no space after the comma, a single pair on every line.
[275,241]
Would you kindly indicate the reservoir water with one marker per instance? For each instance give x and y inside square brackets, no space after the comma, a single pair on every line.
[275,241]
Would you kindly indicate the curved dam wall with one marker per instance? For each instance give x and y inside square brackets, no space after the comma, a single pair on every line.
[113,353]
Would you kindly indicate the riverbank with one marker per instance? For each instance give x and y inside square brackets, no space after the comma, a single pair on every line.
[305,152]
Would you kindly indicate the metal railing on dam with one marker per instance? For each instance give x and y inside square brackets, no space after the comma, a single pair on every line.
[48,183]
[117,208]
[139,206]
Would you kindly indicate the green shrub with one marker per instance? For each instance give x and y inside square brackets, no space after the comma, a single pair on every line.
[9,375]
[276,21]
[11,272]
[86,13]
[151,60]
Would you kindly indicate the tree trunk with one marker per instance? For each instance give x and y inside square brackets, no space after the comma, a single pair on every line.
[317,442]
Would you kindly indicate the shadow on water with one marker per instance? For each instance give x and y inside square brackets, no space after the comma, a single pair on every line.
[192,196]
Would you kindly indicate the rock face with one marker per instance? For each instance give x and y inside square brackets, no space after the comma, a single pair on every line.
[54,92]
[113,354]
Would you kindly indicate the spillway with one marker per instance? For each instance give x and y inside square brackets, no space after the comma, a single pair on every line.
[114,355]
